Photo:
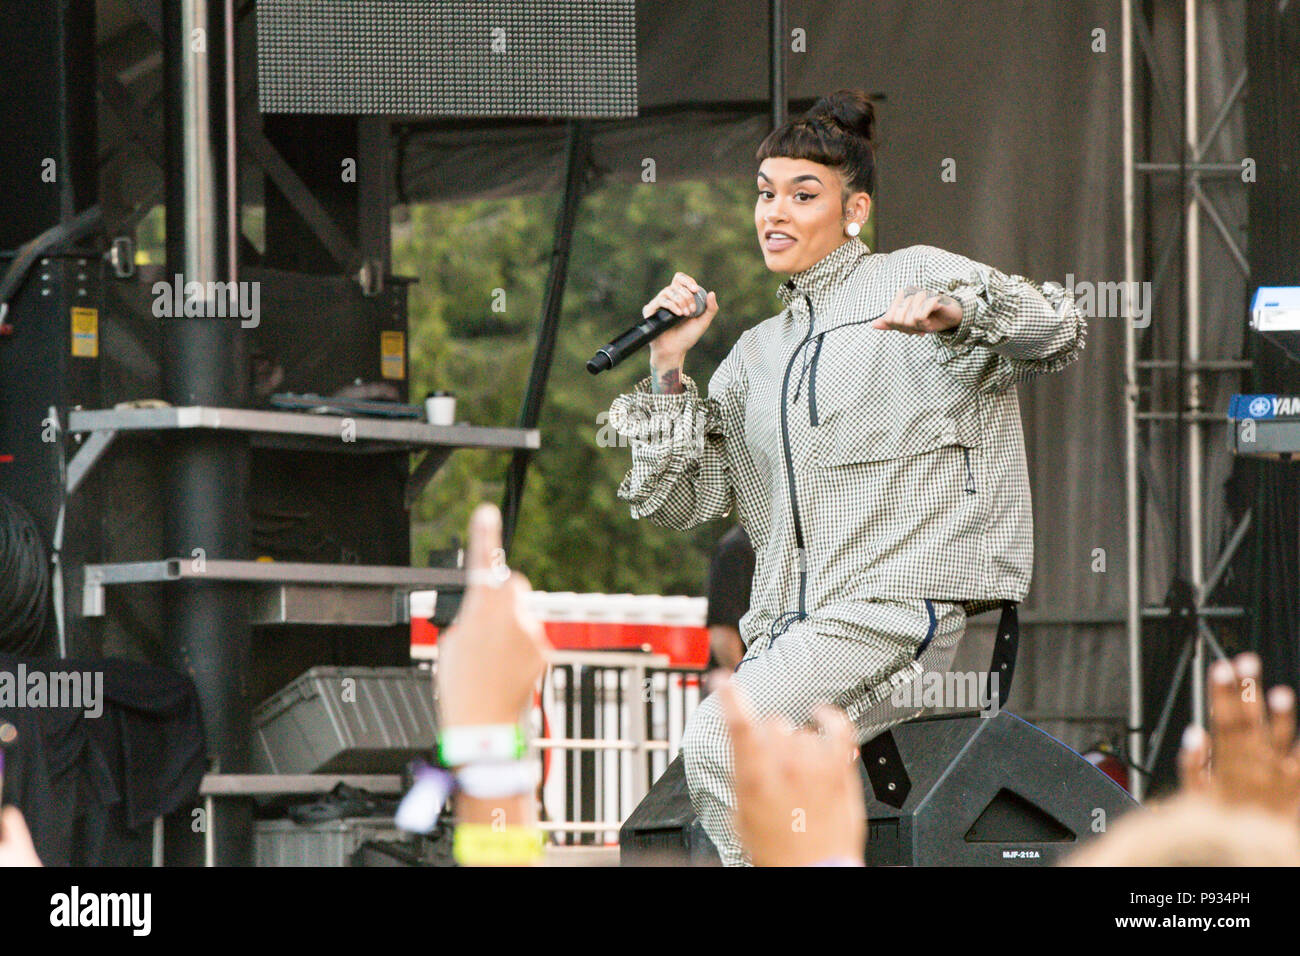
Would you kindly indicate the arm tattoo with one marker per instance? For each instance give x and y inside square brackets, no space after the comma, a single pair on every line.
[666,382]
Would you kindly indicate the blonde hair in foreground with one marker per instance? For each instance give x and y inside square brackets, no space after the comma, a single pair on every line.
[1194,831]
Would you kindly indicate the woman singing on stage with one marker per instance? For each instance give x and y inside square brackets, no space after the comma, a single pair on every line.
[868,438]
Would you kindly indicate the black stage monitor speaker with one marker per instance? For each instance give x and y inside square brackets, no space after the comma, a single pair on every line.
[993,791]
[555,58]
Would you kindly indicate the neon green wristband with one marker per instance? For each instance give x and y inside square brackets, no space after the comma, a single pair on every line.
[484,743]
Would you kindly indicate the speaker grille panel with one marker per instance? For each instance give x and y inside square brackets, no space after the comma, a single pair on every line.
[554,58]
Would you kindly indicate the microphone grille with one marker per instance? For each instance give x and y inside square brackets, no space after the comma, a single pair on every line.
[701,303]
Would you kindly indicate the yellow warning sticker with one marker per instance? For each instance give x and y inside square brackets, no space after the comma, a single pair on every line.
[392,354]
[85,332]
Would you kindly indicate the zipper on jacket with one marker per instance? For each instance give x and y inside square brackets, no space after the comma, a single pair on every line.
[801,553]
[803,373]
[970,475]
[812,383]
[809,371]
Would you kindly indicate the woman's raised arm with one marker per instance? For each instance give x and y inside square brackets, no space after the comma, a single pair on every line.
[1011,328]
[680,474]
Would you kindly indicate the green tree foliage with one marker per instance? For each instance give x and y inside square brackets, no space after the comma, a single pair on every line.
[474,314]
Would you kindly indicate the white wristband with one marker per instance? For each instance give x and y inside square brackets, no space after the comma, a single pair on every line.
[490,781]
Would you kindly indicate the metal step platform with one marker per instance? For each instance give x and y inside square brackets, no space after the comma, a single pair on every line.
[300,431]
[289,592]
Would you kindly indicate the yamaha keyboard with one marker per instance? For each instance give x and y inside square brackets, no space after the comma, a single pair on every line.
[1265,426]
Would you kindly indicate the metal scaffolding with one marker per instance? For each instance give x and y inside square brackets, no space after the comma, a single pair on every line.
[1189,600]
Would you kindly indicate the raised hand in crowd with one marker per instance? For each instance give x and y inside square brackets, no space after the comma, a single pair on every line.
[1250,756]
[799,797]
[489,663]
[16,848]
[492,656]
[1239,800]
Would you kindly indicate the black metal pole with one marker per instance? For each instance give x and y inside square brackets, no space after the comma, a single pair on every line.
[204,364]
[576,165]
[776,61]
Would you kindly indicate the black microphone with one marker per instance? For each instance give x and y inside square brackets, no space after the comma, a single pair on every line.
[645,331]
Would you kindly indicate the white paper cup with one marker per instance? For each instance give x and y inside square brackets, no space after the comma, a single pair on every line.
[440,409]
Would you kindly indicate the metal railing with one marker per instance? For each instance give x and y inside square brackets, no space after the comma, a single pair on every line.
[615,721]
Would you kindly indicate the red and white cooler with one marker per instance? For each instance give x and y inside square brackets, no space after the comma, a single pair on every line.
[665,624]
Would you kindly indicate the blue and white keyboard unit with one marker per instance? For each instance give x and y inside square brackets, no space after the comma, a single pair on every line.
[1265,426]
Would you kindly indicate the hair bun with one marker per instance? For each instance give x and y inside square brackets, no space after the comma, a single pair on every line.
[850,109]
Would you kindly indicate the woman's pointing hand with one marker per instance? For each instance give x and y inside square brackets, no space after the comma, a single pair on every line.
[916,311]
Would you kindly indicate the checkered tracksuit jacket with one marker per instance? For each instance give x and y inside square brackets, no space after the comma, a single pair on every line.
[881,477]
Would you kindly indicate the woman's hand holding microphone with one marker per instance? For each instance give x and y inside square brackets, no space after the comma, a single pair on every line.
[668,351]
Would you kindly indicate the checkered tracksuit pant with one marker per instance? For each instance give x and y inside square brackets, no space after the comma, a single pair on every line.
[868,675]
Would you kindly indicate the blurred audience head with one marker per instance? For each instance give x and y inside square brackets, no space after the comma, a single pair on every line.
[1193,830]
